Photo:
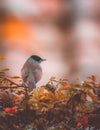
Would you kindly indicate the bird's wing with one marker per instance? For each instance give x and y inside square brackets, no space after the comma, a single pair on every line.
[27,68]
[28,79]
[37,72]
[24,75]
[33,68]
[30,82]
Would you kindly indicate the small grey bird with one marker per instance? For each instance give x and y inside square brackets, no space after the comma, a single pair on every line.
[31,71]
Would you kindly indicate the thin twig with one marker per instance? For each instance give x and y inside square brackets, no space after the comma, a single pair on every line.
[5,87]
[12,82]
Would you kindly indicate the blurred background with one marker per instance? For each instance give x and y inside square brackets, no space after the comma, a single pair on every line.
[65,32]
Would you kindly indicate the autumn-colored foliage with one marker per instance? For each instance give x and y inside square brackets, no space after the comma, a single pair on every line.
[57,105]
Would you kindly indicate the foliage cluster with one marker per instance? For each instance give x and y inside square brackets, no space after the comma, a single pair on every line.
[58,105]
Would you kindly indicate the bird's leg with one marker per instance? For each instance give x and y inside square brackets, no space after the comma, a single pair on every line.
[26,96]
[23,84]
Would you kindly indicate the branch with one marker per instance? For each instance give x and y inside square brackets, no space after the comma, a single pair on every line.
[17,86]
[12,82]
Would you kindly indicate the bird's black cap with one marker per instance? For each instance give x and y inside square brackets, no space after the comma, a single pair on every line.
[37,58]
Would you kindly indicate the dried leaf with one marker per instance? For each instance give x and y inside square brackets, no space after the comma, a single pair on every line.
[93,97]
[5,69]
[35,93]
[92,77]
[15,77]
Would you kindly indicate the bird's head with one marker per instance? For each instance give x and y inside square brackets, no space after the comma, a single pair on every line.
[37,58]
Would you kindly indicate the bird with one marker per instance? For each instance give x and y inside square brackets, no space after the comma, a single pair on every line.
[31,71]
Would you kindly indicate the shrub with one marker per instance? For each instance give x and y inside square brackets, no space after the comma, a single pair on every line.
[57,105]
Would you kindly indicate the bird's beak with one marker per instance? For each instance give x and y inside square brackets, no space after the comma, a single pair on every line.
[43,59]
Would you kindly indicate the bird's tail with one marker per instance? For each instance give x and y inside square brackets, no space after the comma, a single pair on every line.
[30,82]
